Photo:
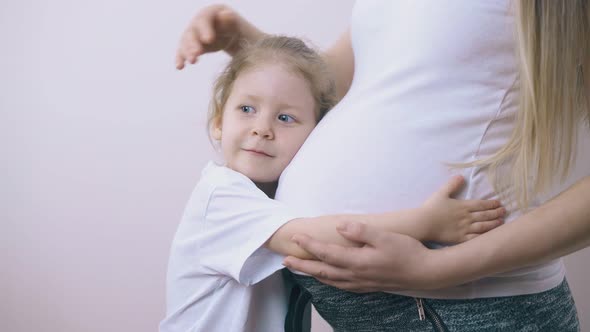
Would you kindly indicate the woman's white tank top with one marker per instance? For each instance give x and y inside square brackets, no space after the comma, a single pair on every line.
[435,82]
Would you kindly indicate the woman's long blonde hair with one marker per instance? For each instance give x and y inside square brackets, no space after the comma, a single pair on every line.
[553,43]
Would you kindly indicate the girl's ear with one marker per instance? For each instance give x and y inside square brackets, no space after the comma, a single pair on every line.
[216,129]
[216,134]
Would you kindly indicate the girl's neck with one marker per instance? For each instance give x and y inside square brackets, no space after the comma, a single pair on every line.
[269,188]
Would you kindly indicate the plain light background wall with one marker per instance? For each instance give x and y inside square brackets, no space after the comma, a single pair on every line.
[101,141]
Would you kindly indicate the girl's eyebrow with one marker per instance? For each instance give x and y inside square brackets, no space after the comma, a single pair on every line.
[254,97]
[289,107]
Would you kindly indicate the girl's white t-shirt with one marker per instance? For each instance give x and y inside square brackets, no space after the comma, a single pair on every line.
[220,276]
[435,82]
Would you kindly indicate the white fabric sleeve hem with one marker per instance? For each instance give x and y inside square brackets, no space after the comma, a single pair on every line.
[239,220]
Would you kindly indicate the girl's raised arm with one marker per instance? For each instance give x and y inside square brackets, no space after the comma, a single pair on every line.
[340,60]
[220,28]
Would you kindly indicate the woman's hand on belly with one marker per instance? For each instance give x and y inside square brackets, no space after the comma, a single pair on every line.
[387,262]
[384,251]
[391,261]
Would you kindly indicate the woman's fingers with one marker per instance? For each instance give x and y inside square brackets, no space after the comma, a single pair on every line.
[351,286]
[318,269]
[333,254]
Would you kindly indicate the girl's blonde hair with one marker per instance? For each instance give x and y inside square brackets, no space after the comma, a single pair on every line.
[290,52]
[553,43]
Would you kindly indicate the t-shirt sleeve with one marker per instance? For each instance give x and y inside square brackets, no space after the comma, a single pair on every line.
[239,219]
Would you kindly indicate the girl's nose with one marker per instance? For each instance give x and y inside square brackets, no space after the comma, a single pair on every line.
[263,130]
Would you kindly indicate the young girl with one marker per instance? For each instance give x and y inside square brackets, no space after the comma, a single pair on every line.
[233,235]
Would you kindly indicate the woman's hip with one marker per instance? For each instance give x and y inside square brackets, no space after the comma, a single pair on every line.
[552,310]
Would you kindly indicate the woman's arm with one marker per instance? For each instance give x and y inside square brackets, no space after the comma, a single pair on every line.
[390,261]
[441,219]
[553,230]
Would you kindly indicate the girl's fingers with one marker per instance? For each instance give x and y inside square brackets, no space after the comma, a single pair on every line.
[228,28]
[187,45]
[484,226]
[452,186]
[205,29]
[192,47]
[193,54]
[226,20]
[488,214]
[206,32]
[181,52]
[179,60]
[480,205]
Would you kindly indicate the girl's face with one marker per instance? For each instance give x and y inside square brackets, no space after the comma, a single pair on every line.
[267,117]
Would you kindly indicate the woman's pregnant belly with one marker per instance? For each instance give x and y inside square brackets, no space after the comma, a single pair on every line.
[380,155]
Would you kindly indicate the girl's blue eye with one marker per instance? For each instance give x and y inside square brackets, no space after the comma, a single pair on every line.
[286,118]
[247,109]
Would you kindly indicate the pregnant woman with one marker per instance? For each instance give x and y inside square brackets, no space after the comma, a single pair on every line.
[493,90]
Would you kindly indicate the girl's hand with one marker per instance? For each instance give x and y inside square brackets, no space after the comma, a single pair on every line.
[450,220]
[212,29]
